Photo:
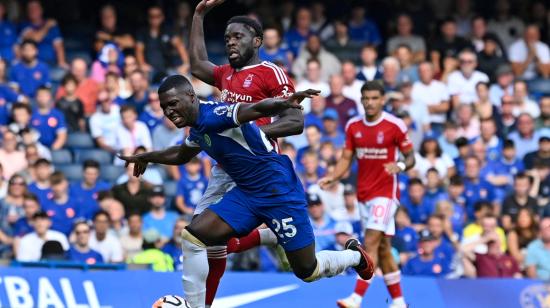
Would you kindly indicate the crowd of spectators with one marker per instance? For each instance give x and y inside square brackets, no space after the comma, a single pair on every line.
[471,83]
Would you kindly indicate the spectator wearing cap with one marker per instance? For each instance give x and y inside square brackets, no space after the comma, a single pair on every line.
[105,122]
[362,29]
[405,35]
[86,90]
[427,262]
[323,225]
[345,106]
[542,154]
[537,260]
[159,218]
[312,80]
[80,251]
[503,85]
[191,186]
[417,206]
[331,131]
[478,233]
[448,44]
[49,121]
[133,194]
[543,122]
[340,44]
[63,209]
[31,206]
[173,247]
[105,241]
[29,73]
[86,191]
[12,159]
[526,138]
[272,49]
[70,105]
[131,133]
[529,56]
[298,34]
[462,83]
[518,199]
[152,115]
[152,255]
[133,240]
[491,56]
[30,246]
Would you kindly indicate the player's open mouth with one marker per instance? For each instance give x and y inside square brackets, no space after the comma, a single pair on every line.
[233,54]
[176,120]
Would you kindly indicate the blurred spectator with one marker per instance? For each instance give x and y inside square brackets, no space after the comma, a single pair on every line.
[12,159]
[23,225]
[152,255]
[332,197]
[448,44]
[311,171]
[131,133]
[506,26]
[418,111]
[41,186]
[29,73]
[427,262]
[109,31]
[104,241]
[133,194]
[132,242]
[490,57]
[152,114]
[509,160]
[478,33]
[313,49]
[343,231]
[468,122]
[525,138]
[433,94]
[11,207]
[166,134]
[391,74]
[300,31]
[462,83]
[523,104]
[313,136]
[406,237]
[62,208]
[30,245]
[453,215]
[518,199]
[448,139]
[87,89]
[319,22]
[542,155]
[159,218]
[503,85]
[323,225]
[109,59]
[183,20]
[105,122]
[45,33]
[345,107]
[71,106]
[429,156]
[115,209]
[484,108]
[508,119]
[477,233]
[529,56]
[369,69]
[112,85]
[49,121]
[331,130]
[409,70]
[140,90]
[191,187]
[543,121]
[173,247]
[86,191]
[130,65]
[158,50]
[524,232]
[537,259]
[313,80]
[416,204]
[477,188]
[151,175]
[272,51]
[341,45]
[541,185]
[443,237]
[405,36]
[9,35]
[434,187]
[362,29]
[80,251]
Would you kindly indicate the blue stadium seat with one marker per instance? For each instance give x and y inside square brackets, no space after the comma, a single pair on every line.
[62,157]
[73,172]
[111,173]
[80,141]
[101,156]
[170,188]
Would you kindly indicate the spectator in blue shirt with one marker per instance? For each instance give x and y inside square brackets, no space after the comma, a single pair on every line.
[331,133]
[140,93]
[41,186]
[49,121]
[361,29]
[272,51]
[46,34]
[526,138]
[434,189]
[404,232]
[152,114]
[509,159]
[427,262]
[173,247]
[463,148]
[8,35]
[297,35]
[323,225]
[80,251]
[191,187]
[313,137]
[86,191]
[29,73]
[23,225]
[311,170]
[419,210]
[7,98]
[443,238]
[457,199]
[488,136]
[159,218]
[63,209]
[447,140]
[476,189]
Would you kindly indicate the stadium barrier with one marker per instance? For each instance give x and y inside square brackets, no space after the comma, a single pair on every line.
[34,287]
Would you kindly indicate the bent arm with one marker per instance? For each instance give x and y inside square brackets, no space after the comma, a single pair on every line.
[200,66]
[290,122]
[343,165]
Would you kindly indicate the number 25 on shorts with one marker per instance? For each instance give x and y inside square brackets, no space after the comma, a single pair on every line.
[284,228]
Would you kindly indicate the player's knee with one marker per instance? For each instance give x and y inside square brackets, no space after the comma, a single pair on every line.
[307,273]
[190,241]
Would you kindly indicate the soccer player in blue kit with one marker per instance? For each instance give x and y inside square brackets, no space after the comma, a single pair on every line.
[267,188]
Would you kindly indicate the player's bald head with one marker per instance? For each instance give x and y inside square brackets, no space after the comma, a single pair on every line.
[178,82]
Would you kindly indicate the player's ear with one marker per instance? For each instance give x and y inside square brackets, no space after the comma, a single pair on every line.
[257,42]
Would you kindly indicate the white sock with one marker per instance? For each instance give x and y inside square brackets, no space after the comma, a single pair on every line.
[393,278]
[267,237]
[331,263]
[195,271]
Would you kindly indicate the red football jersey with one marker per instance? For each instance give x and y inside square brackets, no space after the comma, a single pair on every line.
[253,83]
[375,144]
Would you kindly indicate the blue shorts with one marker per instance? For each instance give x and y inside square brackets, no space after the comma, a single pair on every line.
[285,215]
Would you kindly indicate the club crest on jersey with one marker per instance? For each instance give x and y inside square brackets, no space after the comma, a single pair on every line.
[220,110]
[248,81]
[380,138]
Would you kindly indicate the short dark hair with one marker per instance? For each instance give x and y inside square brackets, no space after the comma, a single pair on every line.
[250,23]
[508,143]
[174,81]
[415,181]
[373,85]
[68,78]
[21,106]
[125,108]
[315,60]
[522,175]
[42,161]
[90,163]
[422,151]
[57,177]
[100,213]
[461,141]
[480,205]
[482,83]
[31,196]
[456,180]
[28,42]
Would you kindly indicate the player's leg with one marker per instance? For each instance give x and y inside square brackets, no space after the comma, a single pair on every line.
[392,274]
[257,237]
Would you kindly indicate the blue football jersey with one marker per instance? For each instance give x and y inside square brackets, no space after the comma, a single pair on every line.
[243,151]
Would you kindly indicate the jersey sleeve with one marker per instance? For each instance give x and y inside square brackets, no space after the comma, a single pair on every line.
[403,141]
[192,141]
[219,117]
[218,75]
[350,143]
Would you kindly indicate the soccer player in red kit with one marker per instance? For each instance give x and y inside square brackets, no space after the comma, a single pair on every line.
[375,141]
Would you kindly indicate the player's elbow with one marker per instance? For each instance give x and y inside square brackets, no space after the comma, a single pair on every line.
[295,126]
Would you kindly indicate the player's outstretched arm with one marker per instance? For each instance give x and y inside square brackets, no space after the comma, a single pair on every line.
[343,165]
[270,107]
[200,66]
[176,155]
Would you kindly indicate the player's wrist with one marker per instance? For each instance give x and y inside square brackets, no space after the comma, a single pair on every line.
[401,165]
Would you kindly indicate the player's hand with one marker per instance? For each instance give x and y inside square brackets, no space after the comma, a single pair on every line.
[140,165]
[206,5]
[295,99]
[326,182]
[392,168]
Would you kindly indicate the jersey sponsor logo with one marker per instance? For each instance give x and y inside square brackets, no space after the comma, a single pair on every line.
[220,110]
[371,153]
[285,92]
[232,97]
[380,138]
[248,81]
